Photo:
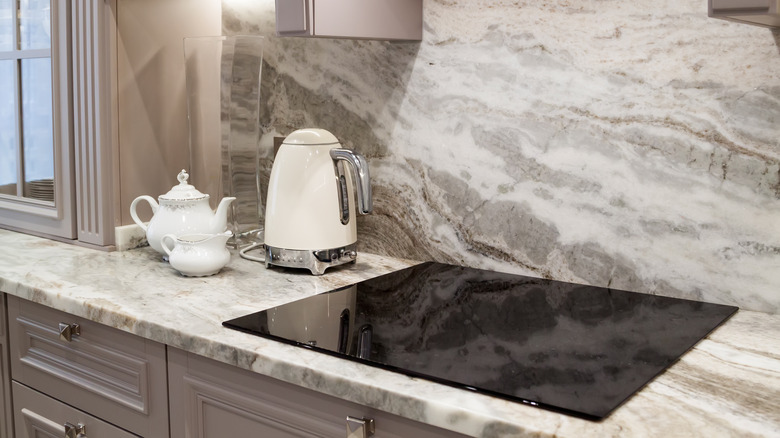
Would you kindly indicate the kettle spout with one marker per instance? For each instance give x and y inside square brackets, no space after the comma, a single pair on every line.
[219,221]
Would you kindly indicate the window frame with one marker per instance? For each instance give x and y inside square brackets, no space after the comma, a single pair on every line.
[45,217]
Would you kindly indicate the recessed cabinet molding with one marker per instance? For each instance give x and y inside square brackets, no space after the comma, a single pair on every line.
[758,12]
[359,19]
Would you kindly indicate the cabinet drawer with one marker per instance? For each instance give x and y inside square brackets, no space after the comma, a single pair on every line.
[212,400]
[113,375]
[40,416]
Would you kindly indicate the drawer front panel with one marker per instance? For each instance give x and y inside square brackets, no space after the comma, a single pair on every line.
[114,375]
[40,416]
[213,400]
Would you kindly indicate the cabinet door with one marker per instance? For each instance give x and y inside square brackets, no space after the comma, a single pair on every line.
[113,375]
[376,19]
[209,399]
[40,416]
[6,423]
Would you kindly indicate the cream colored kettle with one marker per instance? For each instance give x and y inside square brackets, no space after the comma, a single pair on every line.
[310,207]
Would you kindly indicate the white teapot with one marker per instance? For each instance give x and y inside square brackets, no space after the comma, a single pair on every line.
[183,210]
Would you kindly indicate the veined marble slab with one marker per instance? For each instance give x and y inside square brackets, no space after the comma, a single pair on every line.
[728,385]
[633,145]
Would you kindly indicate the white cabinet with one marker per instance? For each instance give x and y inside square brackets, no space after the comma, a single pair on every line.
[6,424]
[115,376]
[758,12]
[209,399]
[375,19]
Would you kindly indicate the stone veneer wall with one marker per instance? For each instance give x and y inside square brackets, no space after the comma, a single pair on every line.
[634,145]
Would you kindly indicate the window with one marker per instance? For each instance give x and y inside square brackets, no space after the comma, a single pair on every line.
[36,184]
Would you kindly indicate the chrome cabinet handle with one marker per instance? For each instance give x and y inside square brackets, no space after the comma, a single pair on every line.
[360,427]
[75,430]
[67,331]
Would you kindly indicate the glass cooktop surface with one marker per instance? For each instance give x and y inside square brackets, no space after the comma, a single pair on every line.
[580,350]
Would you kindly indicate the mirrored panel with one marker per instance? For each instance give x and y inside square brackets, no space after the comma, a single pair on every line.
[34,24]
[8,140]
[37,129]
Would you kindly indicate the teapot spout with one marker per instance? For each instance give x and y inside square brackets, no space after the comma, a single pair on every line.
[219,221]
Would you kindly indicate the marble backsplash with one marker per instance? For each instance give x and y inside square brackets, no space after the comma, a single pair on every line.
[634,145]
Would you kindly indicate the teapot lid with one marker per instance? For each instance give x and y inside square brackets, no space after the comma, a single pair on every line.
[183,191]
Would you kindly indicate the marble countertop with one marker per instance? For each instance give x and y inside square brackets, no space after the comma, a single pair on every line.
[728,385]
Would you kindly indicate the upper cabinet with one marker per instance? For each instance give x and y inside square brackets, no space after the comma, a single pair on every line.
[361,19]
[757,12]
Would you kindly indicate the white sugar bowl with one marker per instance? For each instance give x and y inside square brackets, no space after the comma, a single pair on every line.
[197,255]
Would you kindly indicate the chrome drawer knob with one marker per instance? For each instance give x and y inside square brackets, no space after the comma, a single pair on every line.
[67,331]
[75,430]
[360,427]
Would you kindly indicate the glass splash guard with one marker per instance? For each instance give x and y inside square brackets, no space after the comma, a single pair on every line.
[223,105]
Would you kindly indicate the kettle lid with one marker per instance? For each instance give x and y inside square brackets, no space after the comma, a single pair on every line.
[183,191]
[310,136]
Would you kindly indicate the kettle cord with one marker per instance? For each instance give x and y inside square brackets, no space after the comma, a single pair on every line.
[244,255]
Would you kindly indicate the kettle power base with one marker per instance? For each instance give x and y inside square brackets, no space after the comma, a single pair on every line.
[316,261]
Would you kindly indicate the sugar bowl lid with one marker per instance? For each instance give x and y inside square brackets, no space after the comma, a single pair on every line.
[183,191]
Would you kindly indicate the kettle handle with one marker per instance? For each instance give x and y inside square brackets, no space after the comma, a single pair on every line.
[133,213]
[362,177]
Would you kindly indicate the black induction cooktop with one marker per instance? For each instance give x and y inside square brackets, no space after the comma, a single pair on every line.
[576,349]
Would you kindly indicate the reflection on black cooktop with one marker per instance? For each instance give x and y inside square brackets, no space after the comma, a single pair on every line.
[577,349]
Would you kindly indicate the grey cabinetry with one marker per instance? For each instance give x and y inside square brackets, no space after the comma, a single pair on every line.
[42,416]
[209,399]
[375,19]
[98,371]
[70,376]
[6,425]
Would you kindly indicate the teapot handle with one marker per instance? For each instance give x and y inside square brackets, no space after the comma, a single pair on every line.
[133,213]
[165,248]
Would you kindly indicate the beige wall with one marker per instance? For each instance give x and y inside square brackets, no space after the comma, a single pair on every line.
[152,120]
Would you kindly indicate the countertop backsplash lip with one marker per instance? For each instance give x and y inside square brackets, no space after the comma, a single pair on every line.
[125,290]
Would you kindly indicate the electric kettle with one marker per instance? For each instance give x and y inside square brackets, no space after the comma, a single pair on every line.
[310,207]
